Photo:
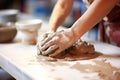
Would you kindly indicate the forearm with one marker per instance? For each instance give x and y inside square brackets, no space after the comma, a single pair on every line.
[60,11]
[97,10]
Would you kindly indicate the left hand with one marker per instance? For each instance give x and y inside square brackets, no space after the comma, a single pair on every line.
[54,43]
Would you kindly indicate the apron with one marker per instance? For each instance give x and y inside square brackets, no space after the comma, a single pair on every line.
[109,28]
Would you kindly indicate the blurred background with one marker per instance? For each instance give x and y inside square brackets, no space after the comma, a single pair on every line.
[42,9]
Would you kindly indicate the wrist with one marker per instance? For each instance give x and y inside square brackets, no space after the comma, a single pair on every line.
[74,33]
[52,28]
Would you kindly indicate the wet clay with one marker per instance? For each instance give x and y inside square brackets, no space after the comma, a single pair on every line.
[79,50]
[106,72]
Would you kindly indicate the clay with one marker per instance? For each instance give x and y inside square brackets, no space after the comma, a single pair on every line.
[79,50]
[104,69]
[83,50]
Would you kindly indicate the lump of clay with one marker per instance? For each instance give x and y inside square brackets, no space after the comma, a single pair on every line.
[79,50]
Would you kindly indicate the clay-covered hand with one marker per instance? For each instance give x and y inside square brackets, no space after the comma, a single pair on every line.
[40,38]
[54,43]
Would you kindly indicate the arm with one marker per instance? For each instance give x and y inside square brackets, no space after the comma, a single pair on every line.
[57,42]
[60,12]
[97,11]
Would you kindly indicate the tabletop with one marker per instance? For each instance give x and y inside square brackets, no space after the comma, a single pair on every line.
[21,61]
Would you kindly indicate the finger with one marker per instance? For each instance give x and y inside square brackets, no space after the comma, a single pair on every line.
[55,53]
[47,45]
[50,36]
[42,37]
[38,50]
[45,35]
[50,43]
[50,50]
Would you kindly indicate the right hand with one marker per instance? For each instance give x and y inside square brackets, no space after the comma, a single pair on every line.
[41,37]
[54,43]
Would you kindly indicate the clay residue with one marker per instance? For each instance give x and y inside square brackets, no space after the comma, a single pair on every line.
[104,69]
[79,50]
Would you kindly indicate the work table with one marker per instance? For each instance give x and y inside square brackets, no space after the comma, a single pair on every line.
[20,60]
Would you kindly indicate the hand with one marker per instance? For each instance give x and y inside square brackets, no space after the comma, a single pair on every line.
[41,37]
[54,43]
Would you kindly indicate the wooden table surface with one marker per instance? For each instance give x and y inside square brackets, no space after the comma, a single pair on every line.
[20,60]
